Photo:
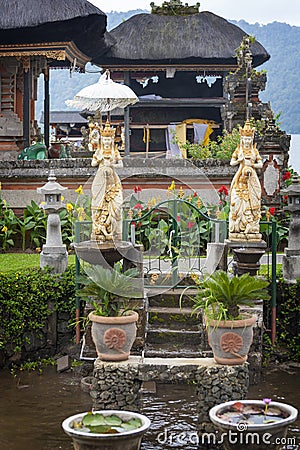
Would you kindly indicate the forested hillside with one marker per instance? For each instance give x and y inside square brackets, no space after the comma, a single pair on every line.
[283,68]
[282,41]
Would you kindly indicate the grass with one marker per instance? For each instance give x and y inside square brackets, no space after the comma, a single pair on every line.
[12,262]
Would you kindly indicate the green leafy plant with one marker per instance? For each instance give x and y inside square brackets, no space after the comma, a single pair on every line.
[101,287]
[39,217]
[220,295]
[25,297]
[8,225]
[108,424]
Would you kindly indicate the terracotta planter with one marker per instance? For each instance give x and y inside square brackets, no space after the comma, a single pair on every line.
[114,336]
[258,436]
[230,340]
[127,440]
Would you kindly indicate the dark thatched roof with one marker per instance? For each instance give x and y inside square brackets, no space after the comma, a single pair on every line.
[203,38]
[30,13]
[32,21]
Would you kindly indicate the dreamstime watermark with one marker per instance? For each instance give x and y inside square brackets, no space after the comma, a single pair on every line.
[239,436]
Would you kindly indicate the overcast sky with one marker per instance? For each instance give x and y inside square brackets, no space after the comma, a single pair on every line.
[261,11]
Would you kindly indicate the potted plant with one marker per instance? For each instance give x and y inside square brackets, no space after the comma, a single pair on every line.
[219,297]
[107,429]
[253,424]
[113,321]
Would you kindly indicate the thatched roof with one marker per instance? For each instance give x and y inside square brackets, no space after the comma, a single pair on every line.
[31,21]
[31,13]
[203,38]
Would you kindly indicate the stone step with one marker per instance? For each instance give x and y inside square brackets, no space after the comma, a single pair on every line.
[175,350]
[182,337]
[171,298]
[174,318]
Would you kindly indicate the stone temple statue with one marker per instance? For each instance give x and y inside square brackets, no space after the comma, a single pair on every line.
[107,195]
[245,190]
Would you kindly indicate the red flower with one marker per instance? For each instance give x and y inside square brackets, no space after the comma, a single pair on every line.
[178,218]
[223,190]
[286,176]
[139,224]
[285,198]
[238,406]
[272,210]
[133,223]
[190,224]
[195,194]
[138,206]
[137,189]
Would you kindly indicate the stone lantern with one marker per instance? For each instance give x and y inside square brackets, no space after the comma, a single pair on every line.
[54,252]
[291,257]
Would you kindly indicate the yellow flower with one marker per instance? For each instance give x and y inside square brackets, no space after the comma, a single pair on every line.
[69,207]
[79,190]
[38,249]
[172,186]
[4,229]
[62,198]
[42,203]
[81,214]
[0,185]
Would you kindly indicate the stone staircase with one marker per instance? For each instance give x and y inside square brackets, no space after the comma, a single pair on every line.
[172,332]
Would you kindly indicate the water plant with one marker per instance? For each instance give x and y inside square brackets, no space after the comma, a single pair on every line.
[108,424]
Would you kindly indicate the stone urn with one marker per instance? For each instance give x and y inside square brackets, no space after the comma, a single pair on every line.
[230,340]
[114,336]
[122,440]
[262,429]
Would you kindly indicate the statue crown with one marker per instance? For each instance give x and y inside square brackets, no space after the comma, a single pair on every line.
[247,130]
[107,131]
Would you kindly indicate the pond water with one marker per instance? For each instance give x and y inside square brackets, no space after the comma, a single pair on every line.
[33,407]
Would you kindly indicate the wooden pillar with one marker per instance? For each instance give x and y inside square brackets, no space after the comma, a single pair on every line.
[26,102]
[46,107]
[126,118]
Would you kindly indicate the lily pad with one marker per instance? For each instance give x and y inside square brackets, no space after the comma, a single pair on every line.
[102,429]
[113,420]
[132,424]
[93,420]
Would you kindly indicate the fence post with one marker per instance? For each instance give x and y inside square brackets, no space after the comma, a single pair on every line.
[273,281]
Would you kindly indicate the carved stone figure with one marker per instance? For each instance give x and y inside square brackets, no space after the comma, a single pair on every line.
[107,195]
[245,190]
[94,137]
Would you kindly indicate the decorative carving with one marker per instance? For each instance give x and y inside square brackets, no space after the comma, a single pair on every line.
[114,338]
[245,190]
[174,7]
[231,342]
[107,195]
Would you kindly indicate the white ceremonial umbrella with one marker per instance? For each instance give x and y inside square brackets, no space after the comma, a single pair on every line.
[103,96]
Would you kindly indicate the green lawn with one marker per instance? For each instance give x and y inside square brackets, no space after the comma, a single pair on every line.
[19,261]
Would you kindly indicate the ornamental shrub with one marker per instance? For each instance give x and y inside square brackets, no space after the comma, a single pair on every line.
[25,300]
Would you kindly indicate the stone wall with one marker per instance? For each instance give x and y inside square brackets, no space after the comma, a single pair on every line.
[55,337]
[20,179]
[118,385]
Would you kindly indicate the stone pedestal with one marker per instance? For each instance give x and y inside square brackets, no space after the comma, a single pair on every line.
[216,257]
[54,253]
[291,265]
[246,255]
[118,385]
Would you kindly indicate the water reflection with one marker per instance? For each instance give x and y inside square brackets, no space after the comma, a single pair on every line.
[33,407]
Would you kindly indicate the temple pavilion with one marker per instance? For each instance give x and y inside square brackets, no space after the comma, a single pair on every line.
[176,60]
[36,37]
